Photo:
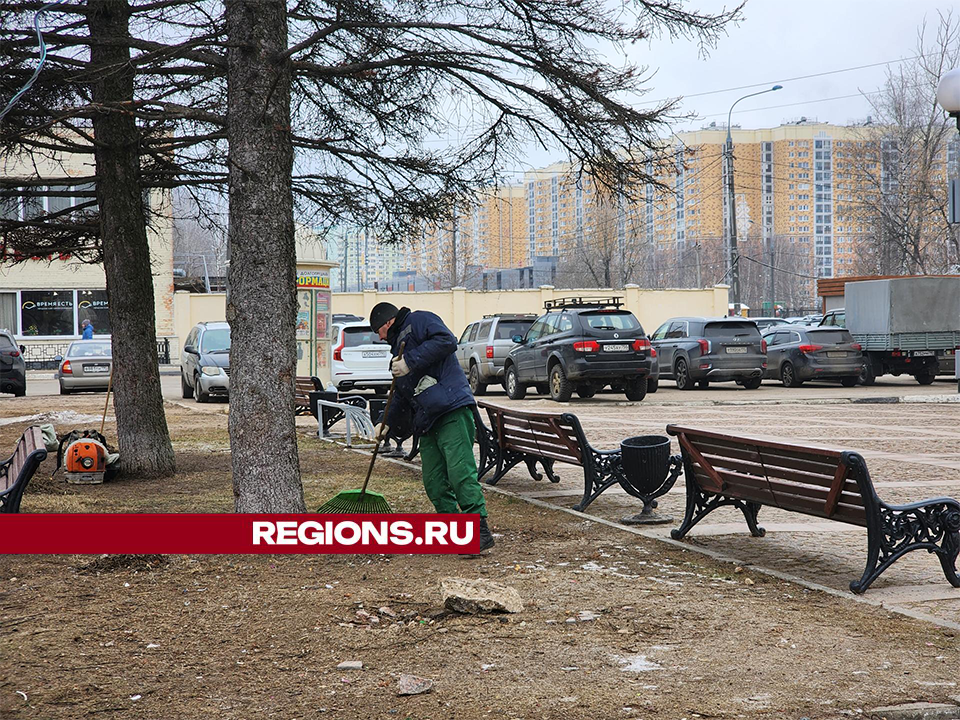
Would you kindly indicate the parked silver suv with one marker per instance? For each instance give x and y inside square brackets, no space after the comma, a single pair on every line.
[484,346]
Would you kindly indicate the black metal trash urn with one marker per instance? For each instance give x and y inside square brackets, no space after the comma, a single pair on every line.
[646,461]
[648,471]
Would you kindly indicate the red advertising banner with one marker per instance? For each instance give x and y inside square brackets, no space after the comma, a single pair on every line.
[223,533]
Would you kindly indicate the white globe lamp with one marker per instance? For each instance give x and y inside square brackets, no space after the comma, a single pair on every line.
[948,94]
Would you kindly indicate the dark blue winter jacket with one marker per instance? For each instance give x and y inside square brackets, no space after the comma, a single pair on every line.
[429,350]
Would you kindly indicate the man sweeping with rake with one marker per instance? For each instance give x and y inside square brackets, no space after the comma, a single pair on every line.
[431,386]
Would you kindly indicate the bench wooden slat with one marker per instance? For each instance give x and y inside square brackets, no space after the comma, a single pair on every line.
[537,435]
[764,470]
[769,458]
[785,496]
[810,452]
[772,450]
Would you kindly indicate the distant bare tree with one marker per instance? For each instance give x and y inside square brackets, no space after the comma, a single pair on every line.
[610,251]
[898,165]
[199,235]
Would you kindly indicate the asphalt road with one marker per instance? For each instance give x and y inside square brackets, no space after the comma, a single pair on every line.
[43,383]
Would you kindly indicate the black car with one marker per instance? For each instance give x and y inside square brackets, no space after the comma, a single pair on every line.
[796,354]
[698,351]
[13,376]
[581,345]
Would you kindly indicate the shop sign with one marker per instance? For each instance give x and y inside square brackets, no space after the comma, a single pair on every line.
[313,279]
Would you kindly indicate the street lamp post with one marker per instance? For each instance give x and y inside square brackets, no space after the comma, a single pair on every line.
[948,97]
[734,256]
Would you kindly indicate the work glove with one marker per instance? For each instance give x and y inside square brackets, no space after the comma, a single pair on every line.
[398,366]
[382,432]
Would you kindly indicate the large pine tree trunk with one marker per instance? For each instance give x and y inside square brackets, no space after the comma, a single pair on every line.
[145,449]
[261,301]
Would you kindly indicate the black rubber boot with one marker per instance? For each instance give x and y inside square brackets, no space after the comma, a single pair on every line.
[486,537]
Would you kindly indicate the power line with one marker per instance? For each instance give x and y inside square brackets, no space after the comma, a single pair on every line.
[799,77]
[780,270]
[804,102]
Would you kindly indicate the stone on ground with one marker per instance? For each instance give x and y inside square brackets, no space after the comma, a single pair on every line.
[413,685]
[479,596]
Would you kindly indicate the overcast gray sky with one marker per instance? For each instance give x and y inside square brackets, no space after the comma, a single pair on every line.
[778,40]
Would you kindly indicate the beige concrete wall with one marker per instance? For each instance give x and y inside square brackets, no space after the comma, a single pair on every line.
[459,307]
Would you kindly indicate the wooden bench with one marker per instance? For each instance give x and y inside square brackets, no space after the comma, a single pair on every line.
[301,395]
[748,473]
[516,436]
[16,471]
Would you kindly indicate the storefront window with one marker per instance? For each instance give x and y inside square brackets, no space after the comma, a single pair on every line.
[8,311]
[92,306]
[47,312]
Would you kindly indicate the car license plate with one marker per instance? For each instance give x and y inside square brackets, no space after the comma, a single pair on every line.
[737,350]
[923,353]
[96,368]
[616,348]
[836,354]
[373,354]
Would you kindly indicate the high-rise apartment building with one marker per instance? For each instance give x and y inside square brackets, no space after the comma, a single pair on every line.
[805,205]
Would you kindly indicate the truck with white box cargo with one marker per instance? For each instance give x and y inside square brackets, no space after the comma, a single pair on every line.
[905,326]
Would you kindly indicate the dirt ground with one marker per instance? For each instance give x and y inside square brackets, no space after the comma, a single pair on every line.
[676,635]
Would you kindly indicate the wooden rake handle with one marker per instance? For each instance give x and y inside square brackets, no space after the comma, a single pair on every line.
[383,420]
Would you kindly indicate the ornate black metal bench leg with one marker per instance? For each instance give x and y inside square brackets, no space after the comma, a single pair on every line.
[750,511]
[900,529]
[505,463]
[870,572]
[949,550]
[548,470]
[531,463]
[699,505]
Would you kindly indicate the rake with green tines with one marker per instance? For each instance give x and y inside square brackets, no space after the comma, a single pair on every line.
[361,501]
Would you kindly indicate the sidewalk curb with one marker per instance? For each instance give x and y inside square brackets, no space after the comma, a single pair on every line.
[868,400]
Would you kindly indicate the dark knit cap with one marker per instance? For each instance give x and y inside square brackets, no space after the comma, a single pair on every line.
[381,314]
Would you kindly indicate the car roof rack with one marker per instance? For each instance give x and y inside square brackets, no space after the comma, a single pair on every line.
[580,302]
[514,314]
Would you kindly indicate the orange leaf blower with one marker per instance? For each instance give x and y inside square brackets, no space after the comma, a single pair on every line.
[85,462]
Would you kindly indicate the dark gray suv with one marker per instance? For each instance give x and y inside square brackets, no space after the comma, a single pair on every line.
[698,351]
[796,354]
[13,375]
[583,345]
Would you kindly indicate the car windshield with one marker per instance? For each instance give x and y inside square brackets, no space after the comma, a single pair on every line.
[830,337]
[6,343]
[729,329]
[216,341]
[354,336]
[610,320]
[506,330]
[96,349]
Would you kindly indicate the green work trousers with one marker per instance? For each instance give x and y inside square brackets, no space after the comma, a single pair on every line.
[449,468]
